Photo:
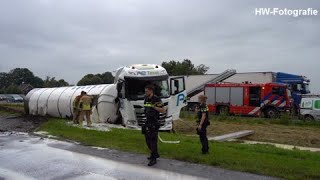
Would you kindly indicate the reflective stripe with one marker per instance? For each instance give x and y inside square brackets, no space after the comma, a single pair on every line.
[275,102]
[148,105]
[204,109]
[282,104]
[254,110]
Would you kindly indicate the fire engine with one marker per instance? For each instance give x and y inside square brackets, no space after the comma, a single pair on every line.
[248,99]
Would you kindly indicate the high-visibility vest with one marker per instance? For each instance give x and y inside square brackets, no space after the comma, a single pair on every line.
[86,103]
[148,104]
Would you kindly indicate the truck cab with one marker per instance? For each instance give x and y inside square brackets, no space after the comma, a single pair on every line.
[298,85]
[131,81]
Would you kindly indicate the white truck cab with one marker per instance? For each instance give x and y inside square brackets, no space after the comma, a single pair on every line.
[310,108]
[131,81]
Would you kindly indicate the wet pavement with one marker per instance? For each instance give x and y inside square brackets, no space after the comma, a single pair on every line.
[24,156]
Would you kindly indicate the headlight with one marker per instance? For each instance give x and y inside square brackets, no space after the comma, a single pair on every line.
[132,122]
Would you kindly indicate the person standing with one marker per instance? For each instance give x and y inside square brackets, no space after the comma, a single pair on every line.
[85,106]
[76,108]
[153,106]
[203,123]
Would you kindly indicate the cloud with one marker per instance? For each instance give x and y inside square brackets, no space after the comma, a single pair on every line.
[68,39]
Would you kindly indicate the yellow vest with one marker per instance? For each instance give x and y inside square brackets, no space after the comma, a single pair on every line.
[86,102]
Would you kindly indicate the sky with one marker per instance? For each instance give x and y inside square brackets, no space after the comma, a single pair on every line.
[71,38]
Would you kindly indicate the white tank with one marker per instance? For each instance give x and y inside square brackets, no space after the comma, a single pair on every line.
[57,102]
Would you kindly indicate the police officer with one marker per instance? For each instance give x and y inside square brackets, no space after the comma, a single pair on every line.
[203,123]
[153,106]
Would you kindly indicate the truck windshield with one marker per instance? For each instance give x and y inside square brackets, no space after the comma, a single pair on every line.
[302,88]
[306,87]
[135,88]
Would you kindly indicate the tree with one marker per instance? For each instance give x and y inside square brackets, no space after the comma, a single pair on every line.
[186,67]
[92,79]
[52,82]
[107,77]
[18,76]
[13,89]
[4,80]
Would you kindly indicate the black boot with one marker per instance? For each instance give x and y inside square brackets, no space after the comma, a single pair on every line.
[152,162]
[149,158]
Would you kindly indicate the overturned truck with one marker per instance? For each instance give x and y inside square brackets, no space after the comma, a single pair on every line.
[119,103]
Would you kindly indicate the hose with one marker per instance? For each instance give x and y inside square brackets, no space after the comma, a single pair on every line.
[168,142]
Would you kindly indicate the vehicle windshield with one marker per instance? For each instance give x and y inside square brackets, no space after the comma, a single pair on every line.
[289,93]
[135,88]
[303,88]
[306,87]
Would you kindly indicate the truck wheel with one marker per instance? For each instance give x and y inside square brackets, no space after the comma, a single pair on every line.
[308,118]
[223,110]
[271,113]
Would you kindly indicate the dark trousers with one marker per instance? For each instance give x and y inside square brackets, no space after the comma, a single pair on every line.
[203,139]
[151,136]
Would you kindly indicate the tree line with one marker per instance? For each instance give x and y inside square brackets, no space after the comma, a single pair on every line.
[11,82]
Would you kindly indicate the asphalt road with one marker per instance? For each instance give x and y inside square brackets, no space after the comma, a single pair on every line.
[24,156]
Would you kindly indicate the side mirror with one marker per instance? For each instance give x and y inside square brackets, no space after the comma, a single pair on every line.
[119,86]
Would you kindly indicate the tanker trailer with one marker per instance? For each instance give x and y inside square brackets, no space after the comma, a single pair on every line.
[124,99]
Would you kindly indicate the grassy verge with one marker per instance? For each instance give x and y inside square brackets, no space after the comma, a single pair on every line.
[8,113]
[297,133]
[12,107]
[285,119]
[258,159]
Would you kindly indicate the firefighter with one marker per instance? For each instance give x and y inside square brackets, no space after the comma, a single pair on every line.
[76,108]
[85,106]
[203,123]
[152,106]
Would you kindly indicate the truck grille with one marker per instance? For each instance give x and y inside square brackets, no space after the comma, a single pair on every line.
[141,116]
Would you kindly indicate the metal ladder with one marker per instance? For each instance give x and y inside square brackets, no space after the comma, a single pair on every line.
[224,75]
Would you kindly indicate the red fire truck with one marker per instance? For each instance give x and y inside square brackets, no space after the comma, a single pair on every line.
[248,99]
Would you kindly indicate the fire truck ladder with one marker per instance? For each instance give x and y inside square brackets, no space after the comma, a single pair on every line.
[224,75]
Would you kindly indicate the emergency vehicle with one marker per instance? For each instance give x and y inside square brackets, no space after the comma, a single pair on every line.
[248,99]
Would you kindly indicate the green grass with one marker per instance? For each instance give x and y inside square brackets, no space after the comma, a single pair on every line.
[285,119]
[13,104]
[8,113]
[258,159]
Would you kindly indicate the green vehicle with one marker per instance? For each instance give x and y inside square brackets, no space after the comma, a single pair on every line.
[310,108]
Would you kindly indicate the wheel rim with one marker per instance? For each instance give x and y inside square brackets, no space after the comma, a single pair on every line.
[271,114]
[309,118]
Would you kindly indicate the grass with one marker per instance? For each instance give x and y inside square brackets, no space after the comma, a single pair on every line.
[258,159]
[13,107]
[8,113]
[285,119]
[283,130]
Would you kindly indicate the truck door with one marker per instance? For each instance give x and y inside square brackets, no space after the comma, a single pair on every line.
[178,98]
[254,96]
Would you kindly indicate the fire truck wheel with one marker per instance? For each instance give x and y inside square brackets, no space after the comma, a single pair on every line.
[271,113]
[223,110]
[308,118]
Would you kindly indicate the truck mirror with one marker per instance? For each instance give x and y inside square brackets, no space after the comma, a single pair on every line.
[119,86]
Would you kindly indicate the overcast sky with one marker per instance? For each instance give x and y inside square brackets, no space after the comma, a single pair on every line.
[70,38]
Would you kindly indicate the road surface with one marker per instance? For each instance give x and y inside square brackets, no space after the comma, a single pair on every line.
[24,156]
